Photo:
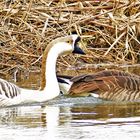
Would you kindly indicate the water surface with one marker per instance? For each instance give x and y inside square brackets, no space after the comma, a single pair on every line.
[71,120]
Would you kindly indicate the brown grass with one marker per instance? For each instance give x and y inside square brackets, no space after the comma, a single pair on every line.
[110,31]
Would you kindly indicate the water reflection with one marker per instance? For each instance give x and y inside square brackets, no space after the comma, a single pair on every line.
[70,122]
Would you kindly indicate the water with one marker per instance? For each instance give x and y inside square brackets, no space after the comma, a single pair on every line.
[71,118]
[66,118]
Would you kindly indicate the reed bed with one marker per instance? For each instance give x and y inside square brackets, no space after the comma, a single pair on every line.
[110,32]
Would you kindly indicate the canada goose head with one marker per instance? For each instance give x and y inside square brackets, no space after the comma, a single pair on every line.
[61,80]
[64,85]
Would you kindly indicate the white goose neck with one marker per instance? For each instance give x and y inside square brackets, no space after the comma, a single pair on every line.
[50,72]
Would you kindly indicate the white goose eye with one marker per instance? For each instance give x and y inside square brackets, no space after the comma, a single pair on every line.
[70,41]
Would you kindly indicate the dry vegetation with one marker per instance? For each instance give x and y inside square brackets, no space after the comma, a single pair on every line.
[110,31]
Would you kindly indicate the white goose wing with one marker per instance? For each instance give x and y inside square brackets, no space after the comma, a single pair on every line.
[7,92]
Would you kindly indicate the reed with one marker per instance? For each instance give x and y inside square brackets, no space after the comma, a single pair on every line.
[110,31]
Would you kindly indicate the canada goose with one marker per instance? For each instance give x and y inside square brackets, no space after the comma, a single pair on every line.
[107,84]
[11,94]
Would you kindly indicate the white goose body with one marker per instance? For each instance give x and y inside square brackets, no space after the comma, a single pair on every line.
[11,94]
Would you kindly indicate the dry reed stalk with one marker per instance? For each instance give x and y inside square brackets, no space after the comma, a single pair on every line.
[111,27]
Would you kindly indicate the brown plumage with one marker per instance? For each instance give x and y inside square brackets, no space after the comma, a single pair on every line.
[109,85]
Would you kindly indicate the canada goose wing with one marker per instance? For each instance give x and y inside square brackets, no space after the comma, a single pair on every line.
[105,73]
[117,88]
[79,78]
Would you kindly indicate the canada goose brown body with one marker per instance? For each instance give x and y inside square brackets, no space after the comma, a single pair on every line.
[108,84]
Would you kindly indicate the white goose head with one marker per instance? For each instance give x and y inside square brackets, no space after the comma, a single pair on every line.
[62,45]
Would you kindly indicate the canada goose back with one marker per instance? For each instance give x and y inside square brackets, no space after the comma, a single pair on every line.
[109,85]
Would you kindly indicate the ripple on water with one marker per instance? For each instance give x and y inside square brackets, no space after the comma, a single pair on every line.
[71,121]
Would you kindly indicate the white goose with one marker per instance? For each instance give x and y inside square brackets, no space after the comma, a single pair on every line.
[11,94]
